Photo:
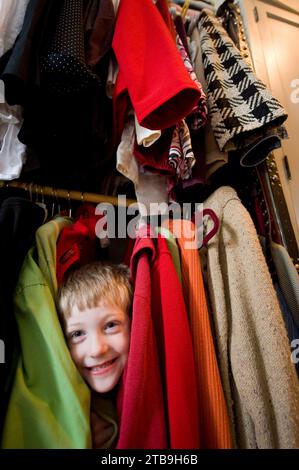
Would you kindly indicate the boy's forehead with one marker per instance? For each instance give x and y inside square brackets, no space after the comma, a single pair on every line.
[101,310]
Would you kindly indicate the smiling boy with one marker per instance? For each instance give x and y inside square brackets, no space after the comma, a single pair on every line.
[95,303]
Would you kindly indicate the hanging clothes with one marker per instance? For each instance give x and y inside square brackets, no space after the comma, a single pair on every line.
[19,219]
[99,40]
[161,91]
[63,65]
[159,307]
[50,404]
[242,108]
[214,157]
[215,430]
[141,385]
[198,115]
[181,156]
[173,248]
[62,97]
[291,326]
[144,136]
[12,14]
[78,244]
[126,162]
[287,277]
[22,70]
[12,151]
[258,377]
[155,159]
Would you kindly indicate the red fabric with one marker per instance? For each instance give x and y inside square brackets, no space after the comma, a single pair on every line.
[164,12]
[161,355]
[155,158]
[140,398]
[150,68]
[176,351]
[77,245]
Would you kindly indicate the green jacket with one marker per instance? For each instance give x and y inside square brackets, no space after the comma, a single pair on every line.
[50,403]
[173,248]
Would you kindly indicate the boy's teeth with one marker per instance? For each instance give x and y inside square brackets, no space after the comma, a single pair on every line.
[103,365]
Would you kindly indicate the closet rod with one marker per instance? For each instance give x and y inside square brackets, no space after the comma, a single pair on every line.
[195,5]
[83,196]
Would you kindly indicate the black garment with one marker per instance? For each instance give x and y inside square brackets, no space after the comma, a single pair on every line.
[22,71]
[67,115]
[19,220]
[259,150]
[180,29]
[63,66]
[99,32]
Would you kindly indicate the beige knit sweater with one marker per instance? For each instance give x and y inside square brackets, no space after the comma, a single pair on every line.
[259,379]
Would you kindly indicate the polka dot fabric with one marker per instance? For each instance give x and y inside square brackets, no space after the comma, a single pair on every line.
[63,67]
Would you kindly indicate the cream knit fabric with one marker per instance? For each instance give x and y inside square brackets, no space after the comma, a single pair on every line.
[259,379]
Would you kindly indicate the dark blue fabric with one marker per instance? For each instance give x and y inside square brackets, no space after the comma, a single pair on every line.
[291,326]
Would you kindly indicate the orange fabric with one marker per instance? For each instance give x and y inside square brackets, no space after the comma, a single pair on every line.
[214,422]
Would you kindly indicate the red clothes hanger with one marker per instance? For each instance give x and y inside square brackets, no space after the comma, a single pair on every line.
[199,215]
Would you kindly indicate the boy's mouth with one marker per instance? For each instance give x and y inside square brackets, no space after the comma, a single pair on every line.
[101,368]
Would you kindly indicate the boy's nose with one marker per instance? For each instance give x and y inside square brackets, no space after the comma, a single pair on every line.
[99,346]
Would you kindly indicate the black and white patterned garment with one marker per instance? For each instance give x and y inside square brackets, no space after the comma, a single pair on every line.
[238,101]
[63,64]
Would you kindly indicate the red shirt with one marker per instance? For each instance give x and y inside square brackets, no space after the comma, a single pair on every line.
[140,398]
[78,244]
[151,70]
[160,394]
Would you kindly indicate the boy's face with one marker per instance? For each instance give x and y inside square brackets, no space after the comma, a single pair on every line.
[99,340]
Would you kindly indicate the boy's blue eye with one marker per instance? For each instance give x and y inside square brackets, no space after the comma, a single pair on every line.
[110,325]
[76,334]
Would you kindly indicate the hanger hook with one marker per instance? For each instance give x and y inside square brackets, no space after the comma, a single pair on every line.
[57,200]
[70,205]
[185,8]
[36,187]
[53,202]
[42,194]
[30,191]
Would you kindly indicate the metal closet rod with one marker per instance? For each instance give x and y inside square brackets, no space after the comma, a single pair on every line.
[59,193]
[196,5]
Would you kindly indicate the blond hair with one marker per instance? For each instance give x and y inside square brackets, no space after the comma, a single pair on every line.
[93,284]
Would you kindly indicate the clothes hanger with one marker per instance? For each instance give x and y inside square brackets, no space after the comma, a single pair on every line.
[195,5]
[70,204]
[198,221]
[185,8]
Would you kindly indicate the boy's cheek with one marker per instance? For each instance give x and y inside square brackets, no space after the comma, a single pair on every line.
[76,354]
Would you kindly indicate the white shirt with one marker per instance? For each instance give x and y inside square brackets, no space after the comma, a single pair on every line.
[12,14]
